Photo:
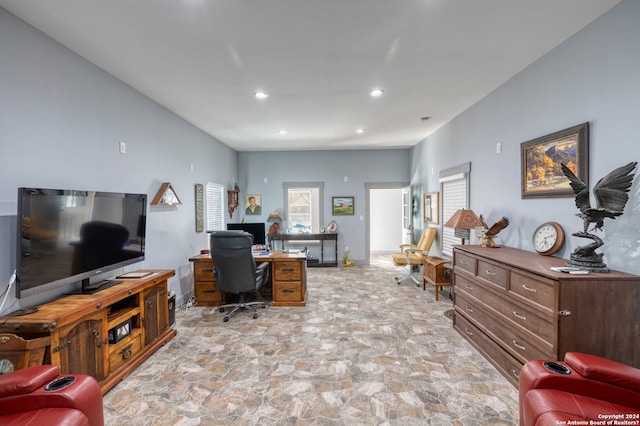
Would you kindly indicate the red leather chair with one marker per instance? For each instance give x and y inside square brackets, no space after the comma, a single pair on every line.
[41,396]
[582,388]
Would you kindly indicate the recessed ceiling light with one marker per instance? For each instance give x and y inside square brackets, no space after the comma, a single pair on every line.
[376,93]
[262,95]
[359,131]
[282,131]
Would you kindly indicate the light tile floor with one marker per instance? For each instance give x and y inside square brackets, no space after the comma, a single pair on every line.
[364,351]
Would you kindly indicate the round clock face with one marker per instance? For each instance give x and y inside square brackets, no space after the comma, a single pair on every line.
[548,238]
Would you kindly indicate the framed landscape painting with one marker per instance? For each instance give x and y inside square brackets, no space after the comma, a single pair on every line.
[542,176]
[342,205]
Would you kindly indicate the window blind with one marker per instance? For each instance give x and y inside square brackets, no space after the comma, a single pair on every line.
[454,197]
[214,196]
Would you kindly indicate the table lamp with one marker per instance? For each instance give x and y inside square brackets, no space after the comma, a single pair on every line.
[462,222]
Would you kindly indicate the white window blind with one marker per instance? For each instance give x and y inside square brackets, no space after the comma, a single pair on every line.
[454,197]
[214,196]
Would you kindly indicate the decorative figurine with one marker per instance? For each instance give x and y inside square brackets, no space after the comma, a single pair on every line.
[345,260]
[611,196]
[489,234]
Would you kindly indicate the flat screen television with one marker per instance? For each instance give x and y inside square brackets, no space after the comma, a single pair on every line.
[258,230]
[66,236]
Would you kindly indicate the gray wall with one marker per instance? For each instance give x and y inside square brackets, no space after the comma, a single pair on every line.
[61,120]
[594,76]
[331,167]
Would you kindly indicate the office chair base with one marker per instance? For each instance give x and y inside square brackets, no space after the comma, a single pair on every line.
[416,277]
[238,306]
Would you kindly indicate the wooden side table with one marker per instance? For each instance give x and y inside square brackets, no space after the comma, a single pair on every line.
[437,272]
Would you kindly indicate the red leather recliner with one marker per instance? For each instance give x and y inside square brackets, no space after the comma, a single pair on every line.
[582,388]
[40,395]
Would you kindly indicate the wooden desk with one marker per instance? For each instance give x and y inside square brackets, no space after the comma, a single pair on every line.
[311,237]
[288,279]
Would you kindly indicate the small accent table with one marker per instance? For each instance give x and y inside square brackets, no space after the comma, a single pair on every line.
[437,272]
[311,237]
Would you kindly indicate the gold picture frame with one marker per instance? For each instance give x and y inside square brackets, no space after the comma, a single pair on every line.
[431,207]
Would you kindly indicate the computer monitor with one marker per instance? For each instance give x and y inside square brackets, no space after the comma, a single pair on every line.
[258,231]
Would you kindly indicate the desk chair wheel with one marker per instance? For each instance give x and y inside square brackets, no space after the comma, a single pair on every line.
[222,310]
[255,315]
[226,318]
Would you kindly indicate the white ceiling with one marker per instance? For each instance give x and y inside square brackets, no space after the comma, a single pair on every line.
[317,59]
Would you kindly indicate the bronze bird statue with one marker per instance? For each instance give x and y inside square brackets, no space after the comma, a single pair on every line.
[489,233]
[610,193]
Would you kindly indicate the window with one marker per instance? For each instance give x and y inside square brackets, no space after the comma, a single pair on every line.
[455,195]
[303,206]
[214,200]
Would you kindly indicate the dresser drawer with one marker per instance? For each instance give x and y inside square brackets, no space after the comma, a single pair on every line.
[495,275]
[203,271]
[207,291]
[465,262]
[287,291]
[287,271]
[502,360]
[533,290]
[514,341]
[527,319]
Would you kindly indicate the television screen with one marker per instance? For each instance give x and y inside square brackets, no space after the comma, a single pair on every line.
[258,230]
[66,236]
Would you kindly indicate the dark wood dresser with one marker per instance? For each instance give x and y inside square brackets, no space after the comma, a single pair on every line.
[513,308]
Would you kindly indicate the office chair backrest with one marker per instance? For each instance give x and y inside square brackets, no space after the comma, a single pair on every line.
[427,239]
[233,262]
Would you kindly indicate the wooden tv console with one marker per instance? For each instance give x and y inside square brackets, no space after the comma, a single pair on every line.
[80,327]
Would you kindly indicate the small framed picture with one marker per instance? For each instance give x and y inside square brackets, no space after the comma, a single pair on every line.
[253,204]
[431,207]
[342,206]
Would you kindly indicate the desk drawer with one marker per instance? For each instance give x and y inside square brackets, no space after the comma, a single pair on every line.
[203,271]
[287,271]
[207,292]
[287,291]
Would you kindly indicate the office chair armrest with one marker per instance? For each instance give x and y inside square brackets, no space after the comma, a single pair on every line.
[405,247]
[410,251]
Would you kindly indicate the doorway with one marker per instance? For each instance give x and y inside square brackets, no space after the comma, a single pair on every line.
[384,214]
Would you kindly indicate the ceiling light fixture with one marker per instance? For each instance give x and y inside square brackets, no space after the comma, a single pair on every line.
[359,131]
[376,93]
[262,95]
[282,132]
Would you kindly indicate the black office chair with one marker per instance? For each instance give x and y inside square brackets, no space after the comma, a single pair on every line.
[236,270]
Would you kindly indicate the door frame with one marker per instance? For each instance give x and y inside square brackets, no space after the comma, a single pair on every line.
[368,186]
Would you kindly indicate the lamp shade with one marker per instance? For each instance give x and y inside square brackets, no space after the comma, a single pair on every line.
[464,219]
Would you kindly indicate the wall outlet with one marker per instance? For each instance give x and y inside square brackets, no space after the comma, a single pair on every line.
[123,147]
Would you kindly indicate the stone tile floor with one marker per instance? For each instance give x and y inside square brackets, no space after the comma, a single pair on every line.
[364,351]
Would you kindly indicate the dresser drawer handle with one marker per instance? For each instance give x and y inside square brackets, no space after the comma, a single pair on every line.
[532,290]
[522,348]
[470,287]
[287,269]
[517,315]
[515,373]
[208,271]
[288,291]
[468,308]
[488,272]
[469,332]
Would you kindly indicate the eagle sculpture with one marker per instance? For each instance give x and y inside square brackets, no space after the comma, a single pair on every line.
[489,233]
[611,196]
[610,193]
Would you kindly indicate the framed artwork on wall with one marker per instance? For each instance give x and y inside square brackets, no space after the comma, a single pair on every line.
[542,176]
[431,207]
[253,204]
[342,205]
